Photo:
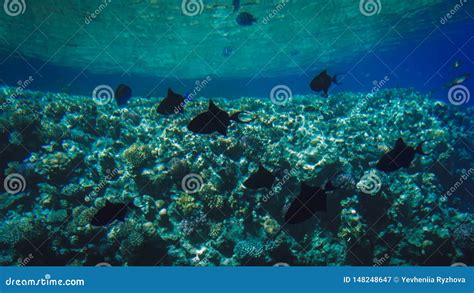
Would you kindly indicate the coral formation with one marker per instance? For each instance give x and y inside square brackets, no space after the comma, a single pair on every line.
[82,154]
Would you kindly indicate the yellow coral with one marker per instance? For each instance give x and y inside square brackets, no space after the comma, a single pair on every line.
[137,155]
[215,230]
[270,226]
[186,204]
[214,201]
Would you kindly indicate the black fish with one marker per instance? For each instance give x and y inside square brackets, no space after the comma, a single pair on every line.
[109,213]
[309,201]
[214,120]
[322,82]
[172,104]
[123,93]
[245,19]
[400,156]
[236,4]
[259,179]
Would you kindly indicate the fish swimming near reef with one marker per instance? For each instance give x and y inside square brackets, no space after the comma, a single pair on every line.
[457,80]
[214,120]
[322,82]
[122,94]
[307,203]
[400,156]
[245,19]
[109,213]
[261,178]
[171,104]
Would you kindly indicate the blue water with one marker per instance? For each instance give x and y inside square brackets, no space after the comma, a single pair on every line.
[424,64]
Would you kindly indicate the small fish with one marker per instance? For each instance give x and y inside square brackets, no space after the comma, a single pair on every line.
[323,81]
[245,19]
[171,104]
[227,51]
[109,213]
[214,120]
[400,156]
[259,179]
[123,93]
[236,4]
[457,63]
[307,203]
[457,80]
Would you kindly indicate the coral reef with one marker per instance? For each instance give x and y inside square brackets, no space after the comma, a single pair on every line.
[81,154]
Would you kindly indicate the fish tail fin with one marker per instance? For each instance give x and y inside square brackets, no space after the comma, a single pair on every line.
[329,186]
[419,149]
[334,78]
[235,117]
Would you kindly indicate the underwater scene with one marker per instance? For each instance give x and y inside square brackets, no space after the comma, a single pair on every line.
[236,133]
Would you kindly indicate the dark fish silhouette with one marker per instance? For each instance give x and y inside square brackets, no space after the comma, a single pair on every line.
[214,120]
[457,80]
[245,19]
[109,213]
[236,4]
[259,179]
[323,81]
[227,51]
[171,104]
[400,156]
[309,201]
[123,93]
